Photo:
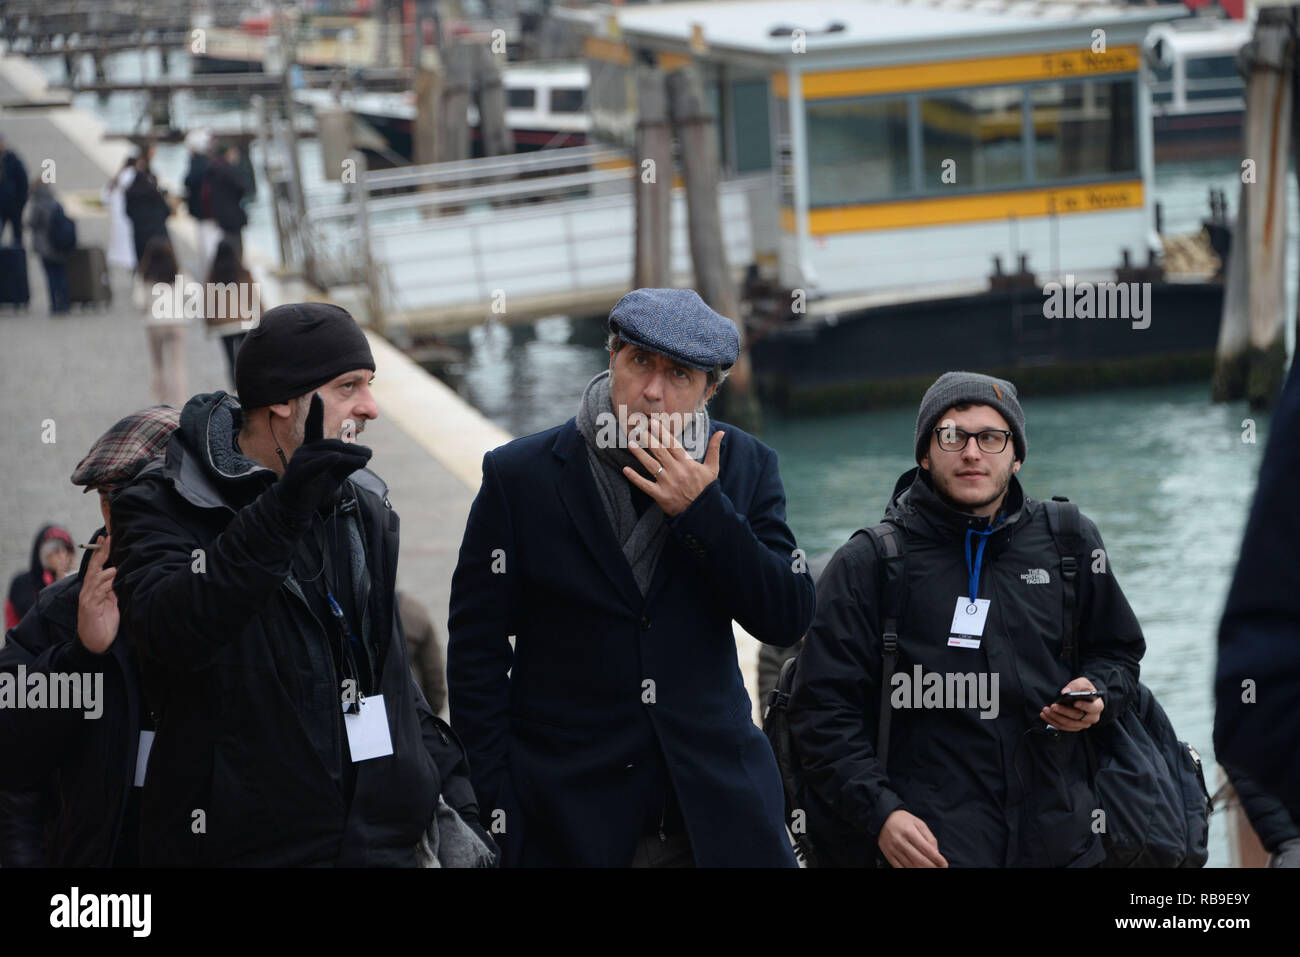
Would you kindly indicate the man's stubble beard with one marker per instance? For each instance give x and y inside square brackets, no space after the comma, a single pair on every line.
[298,433]
[945,493]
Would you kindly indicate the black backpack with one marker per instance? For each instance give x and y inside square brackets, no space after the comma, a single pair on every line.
[62,230]
[1150,785]
[1140,769]
[888,542]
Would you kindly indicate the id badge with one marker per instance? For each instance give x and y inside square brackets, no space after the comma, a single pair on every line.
[368,735]
[968,618]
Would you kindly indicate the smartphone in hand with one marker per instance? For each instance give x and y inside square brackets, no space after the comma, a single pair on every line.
[1072,698]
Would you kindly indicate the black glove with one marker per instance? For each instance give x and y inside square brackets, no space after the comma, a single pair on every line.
[1287,854]
[319,467]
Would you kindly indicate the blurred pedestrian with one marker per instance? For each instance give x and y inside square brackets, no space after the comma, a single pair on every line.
[121,242]
[226,186]
[160,281]
[236,299]
[13,193]
[52,558]
[146,204]
[424,651]
[54,236]
[199,144]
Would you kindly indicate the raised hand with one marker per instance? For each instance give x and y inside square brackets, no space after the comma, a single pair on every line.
[97,614]
[676,478]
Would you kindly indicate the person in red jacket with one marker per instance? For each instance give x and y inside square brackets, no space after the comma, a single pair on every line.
[53,557]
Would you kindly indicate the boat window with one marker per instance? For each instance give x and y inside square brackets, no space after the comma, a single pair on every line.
[567,100]
[750,127]
[1162,84]
[1084,128]
[979,131]
[1211,68]
[857,151]
[1212,76]
[521,98]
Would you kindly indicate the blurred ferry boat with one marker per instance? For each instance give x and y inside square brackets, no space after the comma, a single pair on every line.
[546,108]
[943,184]
[1197,95]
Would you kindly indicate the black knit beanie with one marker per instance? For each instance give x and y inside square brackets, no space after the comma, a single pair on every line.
[297,348]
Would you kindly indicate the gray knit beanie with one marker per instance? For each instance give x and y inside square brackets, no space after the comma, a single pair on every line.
[955,388]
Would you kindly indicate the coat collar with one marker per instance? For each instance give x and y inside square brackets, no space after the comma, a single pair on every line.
[577,490]
[917,504]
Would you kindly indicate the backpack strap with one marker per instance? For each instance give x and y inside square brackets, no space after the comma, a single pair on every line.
[1067,532]
[888,541]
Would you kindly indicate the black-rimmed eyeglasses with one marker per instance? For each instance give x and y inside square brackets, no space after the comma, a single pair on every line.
[990,441]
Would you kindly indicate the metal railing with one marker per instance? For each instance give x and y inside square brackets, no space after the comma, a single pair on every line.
[556,225]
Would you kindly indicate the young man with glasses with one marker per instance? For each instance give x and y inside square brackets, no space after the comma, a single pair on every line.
[985,765]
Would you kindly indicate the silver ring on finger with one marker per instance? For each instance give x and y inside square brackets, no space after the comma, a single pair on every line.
[661,468]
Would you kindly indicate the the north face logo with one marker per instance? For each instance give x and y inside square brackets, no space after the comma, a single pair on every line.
[1036,576]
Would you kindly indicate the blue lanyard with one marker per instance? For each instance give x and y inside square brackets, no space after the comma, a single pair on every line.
[973,568]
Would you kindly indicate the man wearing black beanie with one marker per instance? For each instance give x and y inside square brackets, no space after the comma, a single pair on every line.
[256,565]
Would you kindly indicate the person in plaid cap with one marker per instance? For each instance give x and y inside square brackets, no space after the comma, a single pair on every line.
[80,775]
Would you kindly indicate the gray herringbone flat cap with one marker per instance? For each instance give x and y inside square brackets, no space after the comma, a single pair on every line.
[676,323]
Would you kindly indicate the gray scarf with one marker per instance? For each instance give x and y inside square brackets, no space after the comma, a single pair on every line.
[642,537]
[450,842]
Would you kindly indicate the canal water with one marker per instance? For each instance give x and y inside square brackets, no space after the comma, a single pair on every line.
[1165,474]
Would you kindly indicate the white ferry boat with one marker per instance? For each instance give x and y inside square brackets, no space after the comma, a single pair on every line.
[906,146]
[1197,95]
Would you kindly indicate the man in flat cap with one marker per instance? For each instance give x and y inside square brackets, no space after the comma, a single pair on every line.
[255,568]
[75,768]
[614,551]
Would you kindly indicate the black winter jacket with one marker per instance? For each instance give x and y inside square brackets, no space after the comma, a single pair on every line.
[199,164]
[91,762]
[998,791]
[13,184]
[241,671]
[226,187]
[146,207]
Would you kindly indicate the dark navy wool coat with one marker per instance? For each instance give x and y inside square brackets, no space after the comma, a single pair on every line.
[1257,686]
[561,730]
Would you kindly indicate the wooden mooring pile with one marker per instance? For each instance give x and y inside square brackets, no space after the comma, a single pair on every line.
[1251,355]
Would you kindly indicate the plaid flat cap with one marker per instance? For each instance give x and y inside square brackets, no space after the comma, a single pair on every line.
[676,323]
[126,448]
